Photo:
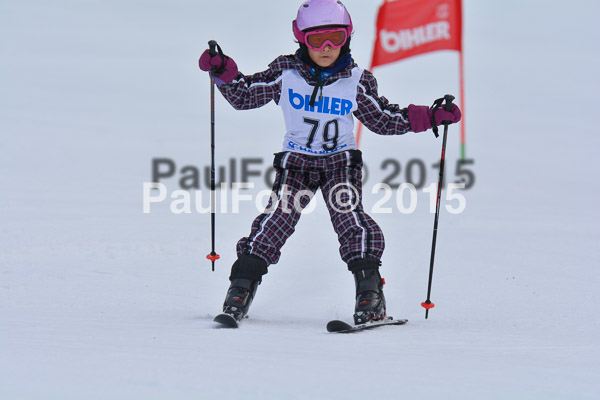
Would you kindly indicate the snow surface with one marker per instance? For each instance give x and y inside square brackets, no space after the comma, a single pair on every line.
[101,301]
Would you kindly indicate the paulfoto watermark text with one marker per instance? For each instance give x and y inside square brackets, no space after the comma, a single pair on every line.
[393,172]
[341,198]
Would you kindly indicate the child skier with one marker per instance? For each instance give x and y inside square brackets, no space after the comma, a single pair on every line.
[319,89]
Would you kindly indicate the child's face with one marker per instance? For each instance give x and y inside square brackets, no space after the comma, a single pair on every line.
[326,57]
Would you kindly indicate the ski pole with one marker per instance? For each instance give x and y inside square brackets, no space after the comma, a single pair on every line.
[427,304]
[213,256]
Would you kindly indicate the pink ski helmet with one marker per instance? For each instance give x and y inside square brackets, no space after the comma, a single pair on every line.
[315,13]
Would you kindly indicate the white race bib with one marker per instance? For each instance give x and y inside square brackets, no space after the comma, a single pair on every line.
[326,128]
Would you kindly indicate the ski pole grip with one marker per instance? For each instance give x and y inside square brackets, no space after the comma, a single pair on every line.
[212,47]
[448,99]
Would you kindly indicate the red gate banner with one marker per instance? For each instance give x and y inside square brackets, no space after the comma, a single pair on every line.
[406,28]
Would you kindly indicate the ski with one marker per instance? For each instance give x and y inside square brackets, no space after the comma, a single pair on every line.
[337,326]
[226,321]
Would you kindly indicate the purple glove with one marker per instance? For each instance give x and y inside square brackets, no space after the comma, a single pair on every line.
[420,116]
[224,68]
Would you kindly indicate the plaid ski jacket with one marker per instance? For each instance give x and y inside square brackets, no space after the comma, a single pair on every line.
[374,111]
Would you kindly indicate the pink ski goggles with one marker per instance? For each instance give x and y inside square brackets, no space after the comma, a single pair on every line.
[319,38]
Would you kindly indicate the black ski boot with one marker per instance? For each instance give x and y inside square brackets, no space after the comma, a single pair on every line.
[246,275]
[370,301]
[239,297]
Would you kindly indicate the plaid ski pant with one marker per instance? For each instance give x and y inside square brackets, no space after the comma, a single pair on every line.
[298,176]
